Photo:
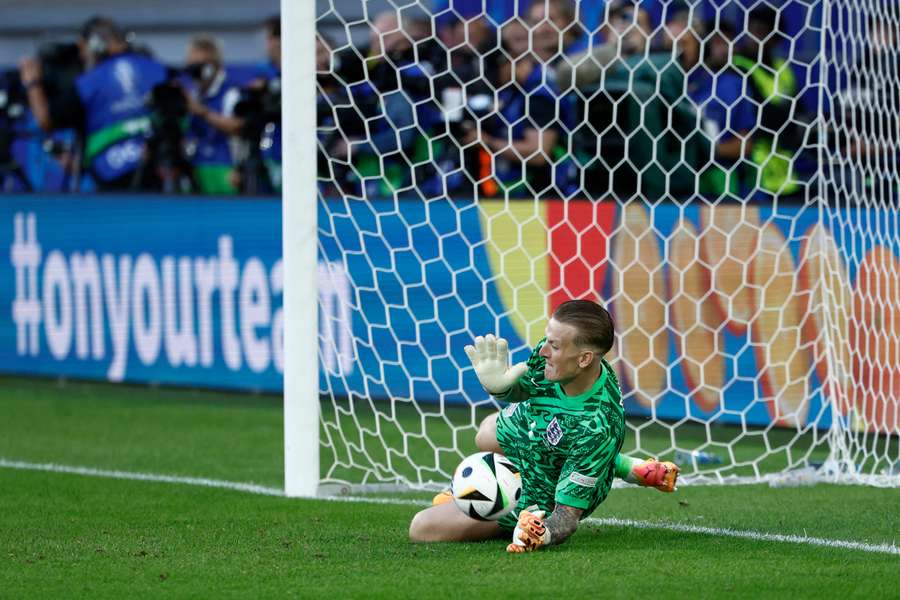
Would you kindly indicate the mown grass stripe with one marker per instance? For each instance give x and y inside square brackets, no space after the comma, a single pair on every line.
[253,488]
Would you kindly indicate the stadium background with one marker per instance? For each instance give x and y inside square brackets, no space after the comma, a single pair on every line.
[165,27]
[142,424]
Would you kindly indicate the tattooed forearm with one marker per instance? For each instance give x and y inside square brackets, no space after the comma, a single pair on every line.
[562,523]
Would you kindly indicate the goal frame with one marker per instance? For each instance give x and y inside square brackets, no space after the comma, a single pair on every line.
[300,250]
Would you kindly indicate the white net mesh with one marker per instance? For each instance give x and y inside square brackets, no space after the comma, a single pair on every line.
[702,170]
[861,279]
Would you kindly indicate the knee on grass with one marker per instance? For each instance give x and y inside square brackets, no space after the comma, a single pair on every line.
[421,528]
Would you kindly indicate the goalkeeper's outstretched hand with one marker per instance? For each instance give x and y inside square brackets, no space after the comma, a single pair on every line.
[530,533]
[490,357]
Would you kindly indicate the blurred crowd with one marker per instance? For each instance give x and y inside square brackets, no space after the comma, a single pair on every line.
[114,118]
[540,107]
[454,105]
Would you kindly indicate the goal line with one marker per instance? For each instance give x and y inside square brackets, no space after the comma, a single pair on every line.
[253,488]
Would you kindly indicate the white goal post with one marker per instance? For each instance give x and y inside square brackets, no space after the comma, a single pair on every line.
[299,235]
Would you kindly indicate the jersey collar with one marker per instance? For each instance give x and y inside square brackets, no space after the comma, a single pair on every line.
[598,385]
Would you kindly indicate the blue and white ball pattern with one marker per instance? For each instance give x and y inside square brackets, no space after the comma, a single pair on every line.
[486,486]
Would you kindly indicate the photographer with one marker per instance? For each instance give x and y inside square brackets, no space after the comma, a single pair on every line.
[260,106]
[212,121]
[109,106]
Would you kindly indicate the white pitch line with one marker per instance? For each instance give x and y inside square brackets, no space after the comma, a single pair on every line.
[749,535]
[253,488]
[239,486]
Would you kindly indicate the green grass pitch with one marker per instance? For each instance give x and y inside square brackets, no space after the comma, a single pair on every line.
[76,536]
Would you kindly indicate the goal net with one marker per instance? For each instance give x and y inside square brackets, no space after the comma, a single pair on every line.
[722,177]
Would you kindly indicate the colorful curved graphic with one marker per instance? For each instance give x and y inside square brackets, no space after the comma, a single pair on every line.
[729,239]
[825,286]
[775,330]
[639,309]
[695,321]
[875,339]
[515,236]
[545,253]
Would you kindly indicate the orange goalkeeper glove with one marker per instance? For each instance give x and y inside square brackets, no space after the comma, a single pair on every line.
[653,473]
[530,533]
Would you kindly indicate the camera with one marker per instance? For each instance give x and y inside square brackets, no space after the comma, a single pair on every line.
[12,109]
[167,103]
[12,97]
[61,65]
[165,165]
[260,108]
[463,111]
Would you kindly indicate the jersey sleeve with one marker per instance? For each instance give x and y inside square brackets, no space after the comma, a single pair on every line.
[533,378]
[587,471]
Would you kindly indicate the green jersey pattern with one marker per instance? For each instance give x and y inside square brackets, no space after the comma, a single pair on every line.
[564,447]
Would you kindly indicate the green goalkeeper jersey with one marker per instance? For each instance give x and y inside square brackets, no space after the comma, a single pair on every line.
[564,446]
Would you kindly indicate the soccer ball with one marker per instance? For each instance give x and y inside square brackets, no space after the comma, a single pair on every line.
[486,486]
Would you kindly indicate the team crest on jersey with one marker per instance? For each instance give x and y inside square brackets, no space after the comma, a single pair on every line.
[554,433]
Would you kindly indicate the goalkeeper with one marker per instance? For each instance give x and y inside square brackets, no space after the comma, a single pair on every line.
[563,430]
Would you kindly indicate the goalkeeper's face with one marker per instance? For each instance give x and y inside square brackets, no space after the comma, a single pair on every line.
[564,359]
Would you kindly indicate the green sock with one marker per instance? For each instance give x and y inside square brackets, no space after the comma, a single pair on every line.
[624,466]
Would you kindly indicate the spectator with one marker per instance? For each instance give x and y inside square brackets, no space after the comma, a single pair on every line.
[518,139]
[338,121]
[688,44]
[462,75]
[677,22]
[272,28]
[554,28]
[401,112]
[29,158]
[464,28]
[110,110]
[14,133]
[779,132]
[259,168]
[728,115]
[515,40]
[625,33]
[639,132]
[865,136]
[212,122]
[462,41]
[628,27]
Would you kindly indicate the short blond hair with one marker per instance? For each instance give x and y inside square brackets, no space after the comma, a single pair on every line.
[207,43]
